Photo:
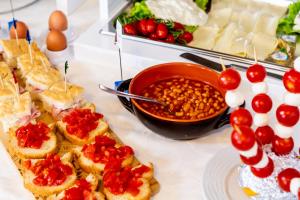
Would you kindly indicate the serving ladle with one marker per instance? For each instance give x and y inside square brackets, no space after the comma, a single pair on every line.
[133,96]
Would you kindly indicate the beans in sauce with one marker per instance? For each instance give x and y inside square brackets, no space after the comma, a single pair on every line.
[186,99]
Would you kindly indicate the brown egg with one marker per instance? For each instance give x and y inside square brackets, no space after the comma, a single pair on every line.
[56,41]
[21,30]
[58,21]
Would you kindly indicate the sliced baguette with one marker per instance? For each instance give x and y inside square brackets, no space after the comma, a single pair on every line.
[144,194]
[100,130]
[145,189]
[48,190]
[48,146]
[90,166]
[92,179]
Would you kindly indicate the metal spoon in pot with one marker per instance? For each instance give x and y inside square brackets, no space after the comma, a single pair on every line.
[133,96]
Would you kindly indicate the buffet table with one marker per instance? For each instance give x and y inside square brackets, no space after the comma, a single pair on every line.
[179,165]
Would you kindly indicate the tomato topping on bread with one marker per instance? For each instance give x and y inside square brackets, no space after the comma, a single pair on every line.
[104,148]
[128,182]
[81,121]
[94,157]
[32,135]
[50,171]
[80,125]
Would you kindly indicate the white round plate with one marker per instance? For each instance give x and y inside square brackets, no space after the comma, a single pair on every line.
[220,179]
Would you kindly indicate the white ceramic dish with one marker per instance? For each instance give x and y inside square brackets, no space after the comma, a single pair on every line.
[220,179]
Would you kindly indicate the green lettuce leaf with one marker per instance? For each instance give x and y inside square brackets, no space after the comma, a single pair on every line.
[285,25]
[201,4]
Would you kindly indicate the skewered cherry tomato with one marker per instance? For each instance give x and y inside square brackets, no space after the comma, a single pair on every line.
[229,79]
[284,178]
[256,73]
[282,146]
[262,103]
[243,139]
[264,172]
[264,134]
[291,81]
[241,117]
[253,160]
[287,115]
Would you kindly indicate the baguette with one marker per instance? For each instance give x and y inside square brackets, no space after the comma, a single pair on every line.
[90,166]
[47,147]
[29,177]
[100,130]
[92,194]
[144,189]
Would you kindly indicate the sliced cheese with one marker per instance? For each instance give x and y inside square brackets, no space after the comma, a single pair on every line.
[205,37]
[219,17]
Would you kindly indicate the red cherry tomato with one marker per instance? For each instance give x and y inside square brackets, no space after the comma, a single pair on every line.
[178,26]
[130,29]
[256,73]
[243,139]
[264,172]
[262,103]
[142,27]
[282,146]
[253,160]
[170,38]
[241,117]
[264,134]
[287,115]
[151,26]
[291,81]
[186,37]
[229,79]
[284,178]
[153,36]
[162,31]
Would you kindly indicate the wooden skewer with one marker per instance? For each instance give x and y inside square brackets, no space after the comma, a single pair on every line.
[222,63]
[2,83]
[30,53]
[16,87]
[237,129]
[255,56]
[44,64]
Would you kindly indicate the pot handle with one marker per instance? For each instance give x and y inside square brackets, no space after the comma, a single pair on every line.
[124,86]
[225,118]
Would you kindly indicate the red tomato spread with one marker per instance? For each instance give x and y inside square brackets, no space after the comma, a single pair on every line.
[81,191]
[104,149]
[120,180]
[50,171]
[81,121]
[32,135]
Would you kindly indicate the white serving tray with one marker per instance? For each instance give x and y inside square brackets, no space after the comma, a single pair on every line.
[141,47]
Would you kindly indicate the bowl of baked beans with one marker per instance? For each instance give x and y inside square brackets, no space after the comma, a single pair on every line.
[192,101]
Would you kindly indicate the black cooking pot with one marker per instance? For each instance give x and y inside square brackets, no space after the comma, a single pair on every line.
[172,128]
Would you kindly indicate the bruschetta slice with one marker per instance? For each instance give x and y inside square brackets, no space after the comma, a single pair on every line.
[93,157]
[81,126]
[83,189]
[34,140]
[50,175]
[129,183]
